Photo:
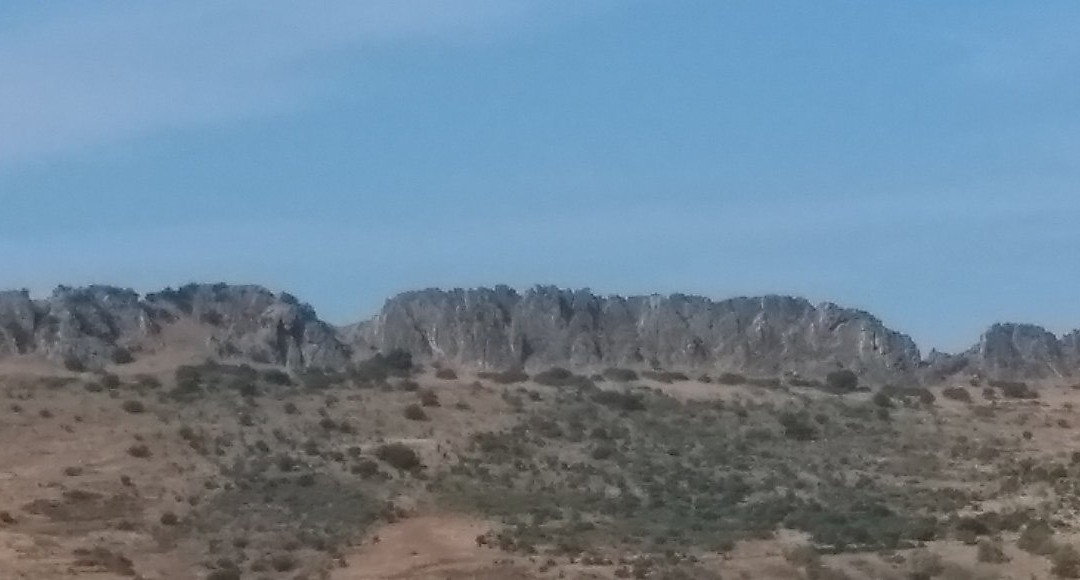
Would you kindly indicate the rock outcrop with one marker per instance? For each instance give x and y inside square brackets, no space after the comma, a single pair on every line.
[1015,352]
[546,326]
[90,327]
[501,328]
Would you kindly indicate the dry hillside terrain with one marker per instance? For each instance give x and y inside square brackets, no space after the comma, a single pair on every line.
[389,469]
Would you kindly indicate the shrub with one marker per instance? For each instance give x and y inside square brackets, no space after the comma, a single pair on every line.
[122,356]
[505,377]
[429,398]
[400,456]
[731,379]
[74,365]
[560,377]
[283,562]
[230,573]
[619,375]
[365,468]
[415,412]
[797,426]
[446,374]
[134,407]
[666,377]
[1015,390]
[882,400]
[139,450]
[842,381]
[169,519]
[991,551]
[957,394]
[1037,538]
[620,400]
[110,381]
[277,377]
[1065,562]
[765,382]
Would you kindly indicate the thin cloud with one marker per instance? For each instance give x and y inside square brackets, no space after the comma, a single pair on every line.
[79,76]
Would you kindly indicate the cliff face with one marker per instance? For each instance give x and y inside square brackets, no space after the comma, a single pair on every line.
[545,326]
[93,326]
[500,328]
[1017,352]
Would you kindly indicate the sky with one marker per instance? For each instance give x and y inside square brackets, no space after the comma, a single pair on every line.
[919,160]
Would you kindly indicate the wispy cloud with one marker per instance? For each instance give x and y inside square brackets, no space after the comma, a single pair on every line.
[76,75]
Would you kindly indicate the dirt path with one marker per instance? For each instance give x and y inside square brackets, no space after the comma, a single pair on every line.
[427,547]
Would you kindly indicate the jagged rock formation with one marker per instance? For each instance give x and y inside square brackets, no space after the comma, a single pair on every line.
[90,327]
[1015,351]
[500,328]
[545,326]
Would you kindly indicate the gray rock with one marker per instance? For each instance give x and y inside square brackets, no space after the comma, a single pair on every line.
[92,326]
[498,328]
[1016,352]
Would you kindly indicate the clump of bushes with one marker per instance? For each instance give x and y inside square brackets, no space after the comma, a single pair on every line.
[400,456]
[1037,538]
[506,377]
[1065,562]
[134,407]
[765,382]
[139,450]
[1015,390]
[666,377]
[429,398]
[446,374]
[122,356]
[560,377]
[620,375]
[842,381]
[396,363]
[731,379]
[798,426]
[991,551]
[957,394]
[415,412]
[623,401]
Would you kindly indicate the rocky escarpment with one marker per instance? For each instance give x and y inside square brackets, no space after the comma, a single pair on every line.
[545,326]
[90,327]
[500,328]
[1015,351]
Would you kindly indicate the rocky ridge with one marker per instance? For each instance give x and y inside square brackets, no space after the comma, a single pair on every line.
[93,326]
[500,328]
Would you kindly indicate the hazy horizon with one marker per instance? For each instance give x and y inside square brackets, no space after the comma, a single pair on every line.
[916,161]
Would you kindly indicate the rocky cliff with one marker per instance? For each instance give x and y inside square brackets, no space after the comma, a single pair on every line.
[500,328]
[1016,352]
[545,326]
[90,327]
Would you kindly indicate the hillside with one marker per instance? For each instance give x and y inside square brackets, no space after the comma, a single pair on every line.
[396,470]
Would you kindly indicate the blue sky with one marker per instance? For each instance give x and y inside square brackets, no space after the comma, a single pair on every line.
[920,160]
